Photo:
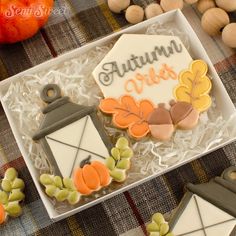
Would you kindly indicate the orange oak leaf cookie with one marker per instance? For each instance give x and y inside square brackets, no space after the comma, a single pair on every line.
[194,86]
[127,113]
[91,176]
[160,123]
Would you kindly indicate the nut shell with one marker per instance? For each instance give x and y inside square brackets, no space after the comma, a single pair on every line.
[213,20]
[203,5]
[168,5]
[227,5]
[134,14]
[153,9]
[229,35]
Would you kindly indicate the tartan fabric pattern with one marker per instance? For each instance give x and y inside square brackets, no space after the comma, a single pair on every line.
[127,213]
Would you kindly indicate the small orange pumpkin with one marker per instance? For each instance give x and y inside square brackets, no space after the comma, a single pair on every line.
[21,19]
[2,214]
[91,177]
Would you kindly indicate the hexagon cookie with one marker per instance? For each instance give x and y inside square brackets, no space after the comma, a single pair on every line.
[142,66]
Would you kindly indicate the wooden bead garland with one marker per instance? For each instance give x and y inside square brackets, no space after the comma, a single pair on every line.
[190,1]
[134,14]
[168,5]
[214,20]
[227,5]
[117,6]
[153,9]
[203,5]
[229,35]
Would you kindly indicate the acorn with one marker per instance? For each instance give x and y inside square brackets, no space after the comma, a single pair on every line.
[160,123]
[184,115]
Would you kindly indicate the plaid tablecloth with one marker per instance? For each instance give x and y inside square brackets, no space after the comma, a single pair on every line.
[125,214]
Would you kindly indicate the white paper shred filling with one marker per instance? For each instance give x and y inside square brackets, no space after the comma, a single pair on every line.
[76,81]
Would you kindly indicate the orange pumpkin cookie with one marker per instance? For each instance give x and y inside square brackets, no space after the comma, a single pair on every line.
[91,177]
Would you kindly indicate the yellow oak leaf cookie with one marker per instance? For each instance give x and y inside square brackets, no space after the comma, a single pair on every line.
[194,86]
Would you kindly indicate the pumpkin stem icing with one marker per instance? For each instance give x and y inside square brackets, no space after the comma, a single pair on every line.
[85,161]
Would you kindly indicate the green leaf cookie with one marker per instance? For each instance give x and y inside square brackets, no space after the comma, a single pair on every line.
[122,143]
[119,162]
[11,193]
[60,189]
[158,226]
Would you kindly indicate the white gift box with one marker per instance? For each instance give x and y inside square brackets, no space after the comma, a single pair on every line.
[197,51]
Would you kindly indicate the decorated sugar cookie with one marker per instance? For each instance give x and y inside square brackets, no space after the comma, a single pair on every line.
[207,209]
[158,226]
[154,88]
[210,206]
[11,195]
[83,158]
[142,66]
[70,133]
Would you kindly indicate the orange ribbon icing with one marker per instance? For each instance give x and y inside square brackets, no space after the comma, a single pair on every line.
[137,85]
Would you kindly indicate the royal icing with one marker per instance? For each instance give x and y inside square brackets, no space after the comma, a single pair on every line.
[152,75]
[128,113]
[205,217]
[160,123]
[210,206]
[76,142]
[194,86]
[70,133]
[147,72]
[11,195]
[91,177]
[60,189]
[158,226]
[119,161]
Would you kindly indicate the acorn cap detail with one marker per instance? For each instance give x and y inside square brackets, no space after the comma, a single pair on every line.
[179,111]
[159,116]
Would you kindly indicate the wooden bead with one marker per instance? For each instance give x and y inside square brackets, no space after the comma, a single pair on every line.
[229,35]
[227,5]
[213,20]
[203,5]
[153,9]
[168,5]
[117,6]
[190,1]
[134,14]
